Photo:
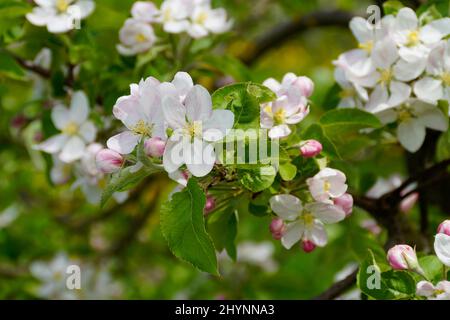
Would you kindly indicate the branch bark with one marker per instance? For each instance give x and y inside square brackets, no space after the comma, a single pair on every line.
[338,288]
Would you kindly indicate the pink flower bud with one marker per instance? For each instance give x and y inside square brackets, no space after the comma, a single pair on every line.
[403,257]
[310,148]
[345,202]
[444,227]
[108,161]
[154,147]
[305,85]
[210,204]
[18,121]
[408,203]
[277,228]
[308,246]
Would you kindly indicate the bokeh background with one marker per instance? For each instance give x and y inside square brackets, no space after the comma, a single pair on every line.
[38,220]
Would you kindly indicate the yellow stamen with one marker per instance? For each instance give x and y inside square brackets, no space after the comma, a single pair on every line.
[413,38]
[194,129]
[308,218]
[404,114]
[167,15]
[142,128]
[326,186]
[201,18]
[446,78]
[140,37]
[279,116]
[386,76]
[62,5]
[347,93]
[367,46]
[268,109]
[71,129]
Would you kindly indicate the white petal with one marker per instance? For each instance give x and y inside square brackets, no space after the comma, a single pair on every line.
[286,206]
[317,234]
[40,16]
[174,112]
[215,128]
[294,232]
[378,97]
[435,30]
[83,8]
[325,212]
[73,150]
[198,104]
[407,71]
[60,23]
[442,248]
[425,289]
[183,83]
[429,89]
[414,54]
[411,134]
[360,29]
[53,144]
[123,143]
[272,84]
[200,158]
[279,131]
[60,117]
[385,53]
[176,26]
[406,19]
[400,92]
[79,107]
[173,157]
[88,131]
[431,116]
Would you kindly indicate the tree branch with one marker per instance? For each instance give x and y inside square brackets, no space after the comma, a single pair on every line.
[339,287]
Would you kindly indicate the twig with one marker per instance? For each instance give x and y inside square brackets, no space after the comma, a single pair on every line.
[338,288]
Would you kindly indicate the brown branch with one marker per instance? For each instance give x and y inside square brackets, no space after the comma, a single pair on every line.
[32,67]
[285,31]
[339,287]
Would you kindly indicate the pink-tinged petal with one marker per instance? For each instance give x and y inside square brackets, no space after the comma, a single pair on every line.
[123,143]
[53,144]
[425,289]
[174,112]
[79,107]
[280,131]
[411,134]
[144,11]
[286,206]
[179,176]
[325,212]
[199,158]
[183,83]
[316,233]
[60,117]
[429,89]
[198,104]
[88,131]
[293,234]
[215,128]
[128,111]
[73,150]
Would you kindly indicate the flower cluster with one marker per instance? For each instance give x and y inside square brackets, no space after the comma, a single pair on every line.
[60,16]
[399,72]
[403,257]
[328,203]
[290,107]
[195,17]
[151,110]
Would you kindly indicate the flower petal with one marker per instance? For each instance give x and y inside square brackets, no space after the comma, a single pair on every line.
[429,89]
[73,150]
[200,158]
[53,144]
[60,117]
[442,248]
[215,128]
[286,206]
[411,134]
[326,212]
[317,234]
[293,234]
[198,104]
[123,143]
[79,107]
[88,131]
[174,112]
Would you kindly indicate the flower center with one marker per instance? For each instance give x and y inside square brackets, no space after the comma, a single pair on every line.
[140,38]
[307,218]
[142,128]
[62,5]
[412,38]
[194,129]
[366,46]
[326,186]
[404,114]
[279,116]
[201,18]
[347,93]
[71,129]
[438,292]
[167,14]
[386,76]
[446,78]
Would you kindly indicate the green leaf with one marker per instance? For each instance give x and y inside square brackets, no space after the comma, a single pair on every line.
[9,67]
[315,131]
[392,7]
[229,65]
[183,226]
[432,267]
[258,178]
[400,283]
[222,227]
[332,98]
[288,171]
[443,146]
[349,117]
[369,279]
[244,100]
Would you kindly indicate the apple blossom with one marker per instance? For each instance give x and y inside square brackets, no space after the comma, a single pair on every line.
[154,147]
[308,246]
[135,36]
[174,15]
[403,257]
[76,130]
[444,227]
[352,94]
[257,254]
[61,172]
[306,222]
[290,107]
[205,20]
[327,184]
[310,148]
[277,228]
[195,125]
[439,292]
[109,161]
[145,11]
[415,40]
[442,248]
[141,113]
[345,202]
[60,15]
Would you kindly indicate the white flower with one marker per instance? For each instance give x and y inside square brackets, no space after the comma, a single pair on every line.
[205,20]
[76,130]
[61,172]
[327,184]
[195,125]
[352,94]
[415,41]
[135,36]
[290,107]
[60,15]
[442,248]
[141,113]
[144,11]
[305,222]
[174,15]
[436,85]
[414,117]
[439,292]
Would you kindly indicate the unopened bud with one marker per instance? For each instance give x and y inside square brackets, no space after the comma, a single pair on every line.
[444,227]
[109,161]
[308,246]
[210,204]
[154,147]
[345,202]
[403,257]
[310,148]
[277,228]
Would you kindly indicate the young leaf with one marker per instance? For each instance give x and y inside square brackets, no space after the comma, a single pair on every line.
[222,227]
[287,171]
[257,179]
[183,226]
